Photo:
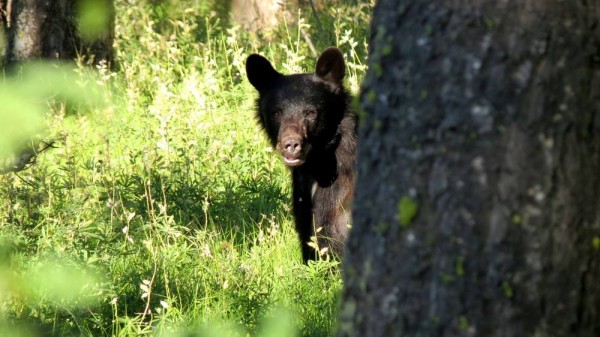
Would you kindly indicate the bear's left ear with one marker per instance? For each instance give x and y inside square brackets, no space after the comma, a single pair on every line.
[331,66]
[260,72]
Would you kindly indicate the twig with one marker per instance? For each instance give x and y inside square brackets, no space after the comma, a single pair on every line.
[309,42]
[25,158]
[8,12]
[147,310]
[25,181]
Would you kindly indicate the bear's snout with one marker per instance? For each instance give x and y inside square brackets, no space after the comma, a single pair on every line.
[291,146]
[291,149]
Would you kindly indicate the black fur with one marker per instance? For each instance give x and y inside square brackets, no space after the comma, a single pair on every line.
[308,119]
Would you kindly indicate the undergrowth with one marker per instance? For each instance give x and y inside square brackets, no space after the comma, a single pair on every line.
[164,211]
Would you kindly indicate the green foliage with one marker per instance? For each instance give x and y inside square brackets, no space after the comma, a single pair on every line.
[162,210]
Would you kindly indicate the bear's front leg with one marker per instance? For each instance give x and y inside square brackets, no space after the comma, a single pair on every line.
[302,204]
[332,215]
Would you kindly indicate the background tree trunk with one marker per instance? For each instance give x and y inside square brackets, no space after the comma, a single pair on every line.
[260,14]
[48,29]
[478,197]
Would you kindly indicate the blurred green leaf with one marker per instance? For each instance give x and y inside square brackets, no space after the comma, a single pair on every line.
[94,18]
[280,324]
[60,283]
[19,120]
[43,81]
[25,99]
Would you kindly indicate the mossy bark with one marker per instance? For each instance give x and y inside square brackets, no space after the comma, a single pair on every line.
[477,208]
[37,29]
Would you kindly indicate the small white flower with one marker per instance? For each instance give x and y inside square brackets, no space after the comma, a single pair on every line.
[130,216]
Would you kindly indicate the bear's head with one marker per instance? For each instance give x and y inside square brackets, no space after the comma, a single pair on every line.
[300,112]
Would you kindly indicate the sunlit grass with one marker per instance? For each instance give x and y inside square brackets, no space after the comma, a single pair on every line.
[161,209]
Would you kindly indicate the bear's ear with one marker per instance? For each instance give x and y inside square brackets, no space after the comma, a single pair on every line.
[260,72]
[331,66]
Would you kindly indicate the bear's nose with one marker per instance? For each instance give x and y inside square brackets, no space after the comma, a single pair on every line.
[291,145]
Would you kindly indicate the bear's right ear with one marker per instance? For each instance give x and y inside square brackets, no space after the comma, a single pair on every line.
[260,72]
[331,66]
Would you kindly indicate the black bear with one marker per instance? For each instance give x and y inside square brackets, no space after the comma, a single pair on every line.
[309,120]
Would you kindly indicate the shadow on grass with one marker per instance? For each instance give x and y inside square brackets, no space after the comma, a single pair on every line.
[234,207]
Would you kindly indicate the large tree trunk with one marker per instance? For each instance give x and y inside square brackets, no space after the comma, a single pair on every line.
[48,29]
[477,210]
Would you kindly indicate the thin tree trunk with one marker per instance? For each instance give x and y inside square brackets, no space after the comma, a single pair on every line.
[25,32]
[477,210]
[48,29]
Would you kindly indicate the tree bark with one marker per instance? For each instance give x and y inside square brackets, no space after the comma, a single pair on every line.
[48,29]
[477,211]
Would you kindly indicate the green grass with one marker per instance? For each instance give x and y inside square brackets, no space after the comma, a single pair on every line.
[162,209]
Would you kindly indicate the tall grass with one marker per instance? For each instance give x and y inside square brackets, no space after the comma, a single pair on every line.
[164,211]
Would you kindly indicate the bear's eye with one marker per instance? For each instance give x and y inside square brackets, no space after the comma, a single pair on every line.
[277,113]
